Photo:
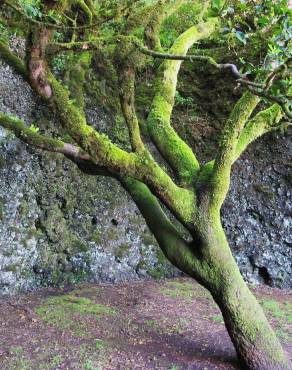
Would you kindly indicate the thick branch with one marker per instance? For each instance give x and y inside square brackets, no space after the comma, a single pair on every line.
[169,239]
[30,136]
[262,123]
[227,146]
[174,247]
[12,60]
[177,153]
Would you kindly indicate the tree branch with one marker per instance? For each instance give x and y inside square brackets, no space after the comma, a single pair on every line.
[173,245]
[32,137]
[12,60]
[220,179]
[283,102]
[176,152]
[262,123]
[127,99]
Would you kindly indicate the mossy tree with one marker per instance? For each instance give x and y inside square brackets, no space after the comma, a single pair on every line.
[127,36]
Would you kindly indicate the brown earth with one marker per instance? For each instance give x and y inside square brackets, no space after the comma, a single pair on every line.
[170,324]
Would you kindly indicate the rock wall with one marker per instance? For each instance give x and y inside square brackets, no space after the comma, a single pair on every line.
[59,226]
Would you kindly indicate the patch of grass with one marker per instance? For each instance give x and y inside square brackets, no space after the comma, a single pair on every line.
[64,312]
[89,366]
[278,309]
[174,367]
[185,290]
[218,318]
[168,326]
[281,314]
[99,344]
[153,325]
[16,350]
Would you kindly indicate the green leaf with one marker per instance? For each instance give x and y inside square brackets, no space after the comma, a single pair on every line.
[217,4]
[240,36]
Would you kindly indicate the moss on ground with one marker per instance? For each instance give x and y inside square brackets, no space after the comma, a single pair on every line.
[63,312]
[281,316]
[185,290]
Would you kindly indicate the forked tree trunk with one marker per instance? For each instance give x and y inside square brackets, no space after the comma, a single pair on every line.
[209,261]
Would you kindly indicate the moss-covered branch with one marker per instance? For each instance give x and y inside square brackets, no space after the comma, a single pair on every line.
[104,153]
[220,179]
[31,136]
[177,153]
[263,122]
[160,12]
[127,99]
[173,245]
[12,60]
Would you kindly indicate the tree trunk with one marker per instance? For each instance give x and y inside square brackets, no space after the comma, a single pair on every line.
[208,259]
[255,342]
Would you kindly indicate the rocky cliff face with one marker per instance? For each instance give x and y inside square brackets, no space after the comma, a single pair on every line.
[59,226]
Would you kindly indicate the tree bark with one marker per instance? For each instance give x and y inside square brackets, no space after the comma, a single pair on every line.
[255,342]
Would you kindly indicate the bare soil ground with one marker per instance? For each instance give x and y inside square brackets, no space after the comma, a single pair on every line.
[170,324]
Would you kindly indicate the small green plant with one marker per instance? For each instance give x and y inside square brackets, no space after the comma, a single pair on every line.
[59,62]
[34,128]
[183,101]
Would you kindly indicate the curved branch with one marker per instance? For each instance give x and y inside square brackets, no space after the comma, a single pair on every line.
[193,57]
[262,123]
[176,152]
[169,239]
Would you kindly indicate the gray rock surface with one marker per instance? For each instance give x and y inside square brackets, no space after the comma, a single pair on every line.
[59,226]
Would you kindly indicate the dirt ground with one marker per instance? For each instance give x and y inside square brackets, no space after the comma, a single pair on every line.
[169,324]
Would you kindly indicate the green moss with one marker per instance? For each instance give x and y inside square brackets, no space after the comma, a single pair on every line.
[14,267]
[218,318]
[278,309]
[119,131]
[97,236]
[185,290]
[121,250]
[12,60]
[264,189]
[148,239]
[2,205]
[63,311]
